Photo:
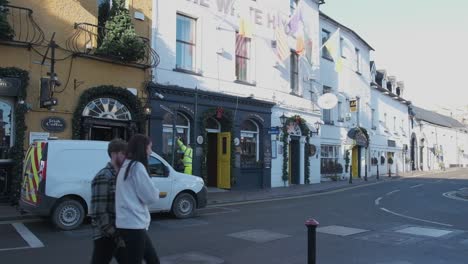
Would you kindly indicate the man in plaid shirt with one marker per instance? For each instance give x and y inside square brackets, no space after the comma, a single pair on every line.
[106,240]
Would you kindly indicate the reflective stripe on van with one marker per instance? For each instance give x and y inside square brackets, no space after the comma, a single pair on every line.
[34,172]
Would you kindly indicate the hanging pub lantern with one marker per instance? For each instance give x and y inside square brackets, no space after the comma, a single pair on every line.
[219,112]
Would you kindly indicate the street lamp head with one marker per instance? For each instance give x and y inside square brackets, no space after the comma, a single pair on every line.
[283,119]
[317,125]
[147,109]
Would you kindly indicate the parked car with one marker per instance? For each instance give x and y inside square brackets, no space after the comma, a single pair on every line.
[57,177]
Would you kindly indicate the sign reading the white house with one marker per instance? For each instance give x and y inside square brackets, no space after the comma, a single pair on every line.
[258,16]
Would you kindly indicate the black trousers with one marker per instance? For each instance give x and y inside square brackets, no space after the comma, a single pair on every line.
[138,246]
[104,249]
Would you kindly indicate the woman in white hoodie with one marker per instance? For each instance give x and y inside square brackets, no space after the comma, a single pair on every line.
[134,193]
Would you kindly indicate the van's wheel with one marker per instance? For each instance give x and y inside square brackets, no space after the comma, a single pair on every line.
[68,214]
[184,206]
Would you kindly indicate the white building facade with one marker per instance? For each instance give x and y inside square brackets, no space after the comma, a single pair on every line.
[225,87]
[240,82]
[437,141]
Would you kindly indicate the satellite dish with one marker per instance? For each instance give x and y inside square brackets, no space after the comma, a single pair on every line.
[327,101]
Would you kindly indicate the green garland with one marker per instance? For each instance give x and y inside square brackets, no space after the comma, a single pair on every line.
[226,126]
[17,150]
[305,131]
[118,93]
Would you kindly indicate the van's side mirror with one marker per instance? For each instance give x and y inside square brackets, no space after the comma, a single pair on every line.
[166,171]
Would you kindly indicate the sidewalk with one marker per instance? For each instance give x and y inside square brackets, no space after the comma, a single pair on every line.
[220,197]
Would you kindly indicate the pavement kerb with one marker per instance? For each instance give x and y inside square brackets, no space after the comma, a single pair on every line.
[296,195]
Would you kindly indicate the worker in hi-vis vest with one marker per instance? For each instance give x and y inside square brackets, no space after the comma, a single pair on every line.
[187,159]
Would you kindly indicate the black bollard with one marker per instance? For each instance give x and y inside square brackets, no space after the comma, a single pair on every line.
[365,173]
[350,174]
[311,225]
[377,171]
[389,172]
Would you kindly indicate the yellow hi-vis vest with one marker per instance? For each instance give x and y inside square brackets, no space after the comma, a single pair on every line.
[187,160]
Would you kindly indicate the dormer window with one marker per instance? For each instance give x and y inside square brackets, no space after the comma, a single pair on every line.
[398,91]
[389,86]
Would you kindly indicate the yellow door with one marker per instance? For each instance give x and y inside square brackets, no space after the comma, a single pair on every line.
[224,160]
[355,162]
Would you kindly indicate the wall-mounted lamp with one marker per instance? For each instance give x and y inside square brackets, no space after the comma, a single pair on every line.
[283,119]
[317,129]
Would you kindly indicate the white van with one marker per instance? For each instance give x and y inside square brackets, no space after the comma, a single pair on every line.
[57,177]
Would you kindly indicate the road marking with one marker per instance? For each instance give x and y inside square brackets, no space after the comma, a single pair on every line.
[33,220]
[453,195]
[295,197]
[28,236]
[414,218]
[340,230]
[392,192]
[424,231]
[16,248]
[416,186]
[377,201]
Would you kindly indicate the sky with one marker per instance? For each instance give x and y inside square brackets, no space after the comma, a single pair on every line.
[422,42]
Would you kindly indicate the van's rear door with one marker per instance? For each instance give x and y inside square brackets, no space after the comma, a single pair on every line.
[34,173]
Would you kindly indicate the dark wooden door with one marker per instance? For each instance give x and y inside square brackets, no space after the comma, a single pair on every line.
[295,162]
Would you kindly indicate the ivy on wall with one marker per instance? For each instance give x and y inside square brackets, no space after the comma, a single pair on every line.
[118,93]
[226,126]
[16,152]
[302,123]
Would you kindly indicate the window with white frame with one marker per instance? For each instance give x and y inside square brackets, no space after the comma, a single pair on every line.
[185,42]
[326,113]
[243,59]
[325,36]
[342,52]
[373,118]
[292,6]
[358,60]
[294,72]
[6,127]
[249,144]
[182,131]
[340,113]
[329,155]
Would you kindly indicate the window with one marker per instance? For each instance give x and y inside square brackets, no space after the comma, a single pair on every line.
[340,109]
[182,130]
[326,113]
[212,125]
[242,58]
[249,144]
[373,119]
[156,168]
[185,43]
[6,128]
[342,48]
[329,155]
[358,60]
[294,72]
[292,5]
[325,37]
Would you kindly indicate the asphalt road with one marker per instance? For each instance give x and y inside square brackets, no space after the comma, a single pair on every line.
[412,220]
